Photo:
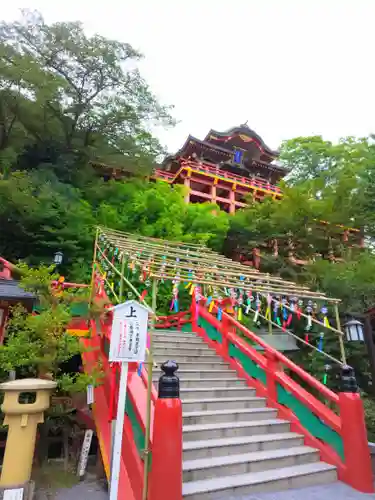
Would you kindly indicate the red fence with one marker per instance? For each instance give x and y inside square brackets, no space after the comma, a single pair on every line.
[332,423]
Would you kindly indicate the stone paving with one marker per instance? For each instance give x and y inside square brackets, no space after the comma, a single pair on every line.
[336,491]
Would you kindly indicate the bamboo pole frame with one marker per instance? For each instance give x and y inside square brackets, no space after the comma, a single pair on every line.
[216,283]
[157,252]
[299,339]
[247,286]
[292,290]
[93,265]
[341,340]
[150,360]
[270,322]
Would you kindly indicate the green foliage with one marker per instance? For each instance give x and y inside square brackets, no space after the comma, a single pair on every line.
[369,406]
[37,344]
[39,215]
[352,280]
[69,102]
[83,93]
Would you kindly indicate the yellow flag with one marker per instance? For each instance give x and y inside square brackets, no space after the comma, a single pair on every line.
[268,313]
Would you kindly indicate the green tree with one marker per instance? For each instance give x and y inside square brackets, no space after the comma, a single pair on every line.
[157,210]
[83,93]
[39,216]
[314,158]
[37,344]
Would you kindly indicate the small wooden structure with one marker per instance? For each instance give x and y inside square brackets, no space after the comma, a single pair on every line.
[11,294]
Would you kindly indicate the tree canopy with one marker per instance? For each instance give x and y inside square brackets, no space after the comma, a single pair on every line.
[64,93]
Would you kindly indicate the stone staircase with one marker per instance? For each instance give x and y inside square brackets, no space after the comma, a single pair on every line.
[233,444]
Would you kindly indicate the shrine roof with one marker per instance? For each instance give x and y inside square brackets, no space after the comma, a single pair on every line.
[247,134]
[224,152]
[10,289]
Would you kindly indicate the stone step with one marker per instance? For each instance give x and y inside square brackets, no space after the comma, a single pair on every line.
[223,403]
[238,415]
[209,382]
[195,365]
[174,333]
[224,487]
[256,461]
[176,343]
[224,372]
[166,350]
[215,392]
[230,446]
[182,357]
[232,429]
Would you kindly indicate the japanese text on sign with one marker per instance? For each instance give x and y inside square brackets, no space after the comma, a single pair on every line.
[129,332]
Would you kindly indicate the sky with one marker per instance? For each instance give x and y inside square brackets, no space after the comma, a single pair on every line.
[288,67]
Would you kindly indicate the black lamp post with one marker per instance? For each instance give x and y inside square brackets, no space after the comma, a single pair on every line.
[58,258]
[353,330]
[361,331]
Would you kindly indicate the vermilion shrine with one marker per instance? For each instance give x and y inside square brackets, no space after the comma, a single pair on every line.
[224,168]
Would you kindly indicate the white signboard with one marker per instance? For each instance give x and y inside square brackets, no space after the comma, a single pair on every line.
[13,494]
[129,332]
[85,452]
[128,343]
[90,394]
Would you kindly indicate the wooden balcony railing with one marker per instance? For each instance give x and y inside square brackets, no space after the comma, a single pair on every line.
[204,167]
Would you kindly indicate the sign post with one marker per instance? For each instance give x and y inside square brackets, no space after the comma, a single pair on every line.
[128,344]
[86,445]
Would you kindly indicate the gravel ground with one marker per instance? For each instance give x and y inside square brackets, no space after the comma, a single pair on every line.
[88,490]
[82,491]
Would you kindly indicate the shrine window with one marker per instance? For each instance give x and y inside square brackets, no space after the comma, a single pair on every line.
[238,156]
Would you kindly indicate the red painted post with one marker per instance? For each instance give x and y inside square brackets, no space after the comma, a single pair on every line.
[272,367]
[193,312]
[166,470]
[224,333]
[358,471]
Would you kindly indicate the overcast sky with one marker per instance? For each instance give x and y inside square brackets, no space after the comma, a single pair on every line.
[289,67]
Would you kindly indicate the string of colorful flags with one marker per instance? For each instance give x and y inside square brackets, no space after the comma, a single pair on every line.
[227,285]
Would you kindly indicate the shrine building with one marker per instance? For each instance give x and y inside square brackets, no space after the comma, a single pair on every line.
[225,168]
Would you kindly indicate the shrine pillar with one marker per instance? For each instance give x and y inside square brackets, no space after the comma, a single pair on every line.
[213,191]
[232,200]
[187,186]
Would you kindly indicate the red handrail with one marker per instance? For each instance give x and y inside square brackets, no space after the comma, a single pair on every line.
[355,467]
[313,382]
[226,327]
[70,285]
[174,320]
